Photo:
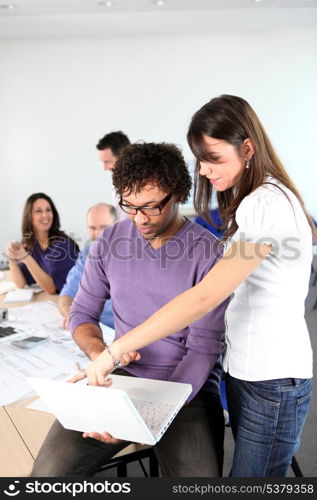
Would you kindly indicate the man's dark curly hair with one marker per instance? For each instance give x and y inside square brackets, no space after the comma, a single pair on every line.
[145,163]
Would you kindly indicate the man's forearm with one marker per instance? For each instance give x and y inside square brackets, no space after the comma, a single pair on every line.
[90,340]
[64,304]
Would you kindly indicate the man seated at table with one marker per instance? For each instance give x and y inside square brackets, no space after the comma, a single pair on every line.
[142,263]
[99,216]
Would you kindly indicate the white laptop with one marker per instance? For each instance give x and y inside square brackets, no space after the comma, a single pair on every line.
[133,409]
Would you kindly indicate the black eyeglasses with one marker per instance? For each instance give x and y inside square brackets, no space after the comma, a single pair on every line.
[157,210]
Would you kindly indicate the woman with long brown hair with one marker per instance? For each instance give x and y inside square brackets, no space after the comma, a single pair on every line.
[46,253]
[267,259]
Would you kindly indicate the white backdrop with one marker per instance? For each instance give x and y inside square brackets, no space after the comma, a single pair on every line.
[58,97]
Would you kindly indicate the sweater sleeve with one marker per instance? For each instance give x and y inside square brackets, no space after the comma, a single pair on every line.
[205,337]
[94,289]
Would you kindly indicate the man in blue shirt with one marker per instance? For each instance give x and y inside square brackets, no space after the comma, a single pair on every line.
[99,216]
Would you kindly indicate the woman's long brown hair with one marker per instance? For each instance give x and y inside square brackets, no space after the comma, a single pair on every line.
[54,233]
[231,119]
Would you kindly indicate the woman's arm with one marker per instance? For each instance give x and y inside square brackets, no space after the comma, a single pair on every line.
[16,275]
[41,277]
[230,271]
[17,253]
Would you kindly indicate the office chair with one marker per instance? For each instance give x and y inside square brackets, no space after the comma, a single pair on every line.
[314,278]
[214,213]
[130,454]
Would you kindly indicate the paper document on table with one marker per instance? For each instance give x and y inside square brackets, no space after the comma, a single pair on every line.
[57,359]
[108,333]
[34,315]
[39,405]
[47,360]
[12,386]
[6,286]
[22,295]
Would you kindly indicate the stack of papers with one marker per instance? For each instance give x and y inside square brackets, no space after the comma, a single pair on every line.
[36,288]
[6,286]
[23,295]
[58,359]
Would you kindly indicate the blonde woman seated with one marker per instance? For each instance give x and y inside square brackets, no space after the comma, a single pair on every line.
[45,254]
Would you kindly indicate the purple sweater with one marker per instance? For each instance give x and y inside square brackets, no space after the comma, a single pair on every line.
[140,280]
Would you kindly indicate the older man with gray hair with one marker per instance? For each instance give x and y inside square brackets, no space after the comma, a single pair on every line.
[99,216]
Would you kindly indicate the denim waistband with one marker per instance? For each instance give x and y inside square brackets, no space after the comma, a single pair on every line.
[285,381]
[278,382]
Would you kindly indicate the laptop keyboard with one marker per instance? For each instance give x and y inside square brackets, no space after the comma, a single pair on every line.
[153,414]
[7,331]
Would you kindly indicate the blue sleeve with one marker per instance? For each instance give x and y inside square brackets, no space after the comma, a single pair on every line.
[72,285]
[74,276]
[106,316]
[94,289]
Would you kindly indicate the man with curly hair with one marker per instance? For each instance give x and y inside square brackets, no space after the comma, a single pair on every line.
[142,263]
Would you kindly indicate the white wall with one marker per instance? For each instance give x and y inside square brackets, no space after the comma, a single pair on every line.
[58,97]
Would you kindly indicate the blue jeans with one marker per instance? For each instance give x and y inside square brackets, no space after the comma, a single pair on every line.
[267,418]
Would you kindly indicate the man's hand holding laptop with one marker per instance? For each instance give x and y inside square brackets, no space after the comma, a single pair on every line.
[105,437]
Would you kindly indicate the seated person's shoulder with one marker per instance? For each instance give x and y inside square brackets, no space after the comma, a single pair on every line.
[114,233]
[119,228]
[201,231]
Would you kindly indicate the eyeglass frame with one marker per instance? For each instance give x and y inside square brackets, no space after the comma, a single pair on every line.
[160,206]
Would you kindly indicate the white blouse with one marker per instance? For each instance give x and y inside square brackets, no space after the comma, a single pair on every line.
[266,332]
